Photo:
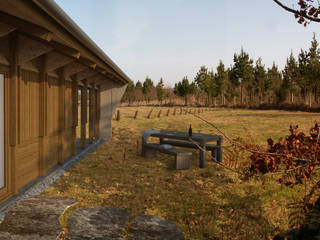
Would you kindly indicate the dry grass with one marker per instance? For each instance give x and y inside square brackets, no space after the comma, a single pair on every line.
[209,203]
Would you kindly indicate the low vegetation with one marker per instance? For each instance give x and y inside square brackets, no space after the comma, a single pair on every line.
[210,203]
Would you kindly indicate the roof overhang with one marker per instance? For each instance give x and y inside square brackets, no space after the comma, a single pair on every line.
[45,21]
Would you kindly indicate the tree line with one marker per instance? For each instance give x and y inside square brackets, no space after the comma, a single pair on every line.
[245,82]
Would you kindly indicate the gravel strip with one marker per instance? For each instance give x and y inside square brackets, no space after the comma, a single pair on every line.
[44,182]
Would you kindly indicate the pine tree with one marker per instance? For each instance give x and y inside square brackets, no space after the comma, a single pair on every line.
[203,82]
[314,67]
[212,87]
[260,80]
[230,90]
[130,86]
[184,88]
[138,85]
[160,91]
[303,74]
[242,73]
[146,88]
[274,80]
[290,77]
[128,96]
[221,81]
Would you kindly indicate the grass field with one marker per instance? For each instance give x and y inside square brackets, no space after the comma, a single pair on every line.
[210,203]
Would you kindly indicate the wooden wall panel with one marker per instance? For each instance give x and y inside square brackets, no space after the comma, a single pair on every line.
[69,142]
[6,192]
[27,163]
[27,150]
[69,128]
[52,106]
[26,153]
[34,108]
[28,106]
[51,148]
[68,105]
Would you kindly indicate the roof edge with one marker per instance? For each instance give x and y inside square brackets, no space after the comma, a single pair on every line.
[55,12]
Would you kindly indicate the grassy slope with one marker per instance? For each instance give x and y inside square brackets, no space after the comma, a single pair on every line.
[205,203]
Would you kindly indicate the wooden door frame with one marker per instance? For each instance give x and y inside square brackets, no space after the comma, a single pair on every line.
[5,192]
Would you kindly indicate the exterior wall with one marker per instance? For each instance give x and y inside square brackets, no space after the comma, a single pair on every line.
[2,132]
[42,75]
[27,148]
[58,140]
[69,127]
[105,110]
[110,96]
[52,148]
[6,192]
[37,151]
[45,123]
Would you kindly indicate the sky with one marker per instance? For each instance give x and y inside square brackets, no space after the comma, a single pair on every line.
[174,38]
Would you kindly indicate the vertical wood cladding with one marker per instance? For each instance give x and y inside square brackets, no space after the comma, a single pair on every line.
[68,106]
[28,107]
[44,132]
[69,138]
[52,148]
[27,150]
[8,189]
[53,106]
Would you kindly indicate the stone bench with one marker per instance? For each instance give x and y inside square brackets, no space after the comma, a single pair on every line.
[182,158]
[216,151]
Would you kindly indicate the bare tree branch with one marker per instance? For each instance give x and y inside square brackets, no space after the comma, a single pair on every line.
[297,13]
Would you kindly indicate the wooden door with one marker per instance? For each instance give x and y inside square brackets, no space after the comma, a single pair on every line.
[2,143]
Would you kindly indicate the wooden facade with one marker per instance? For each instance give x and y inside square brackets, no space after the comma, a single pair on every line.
[44,63]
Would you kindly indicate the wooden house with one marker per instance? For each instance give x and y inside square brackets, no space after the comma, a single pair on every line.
[46,61]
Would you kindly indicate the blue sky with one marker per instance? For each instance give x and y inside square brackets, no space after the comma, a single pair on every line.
[173,38]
